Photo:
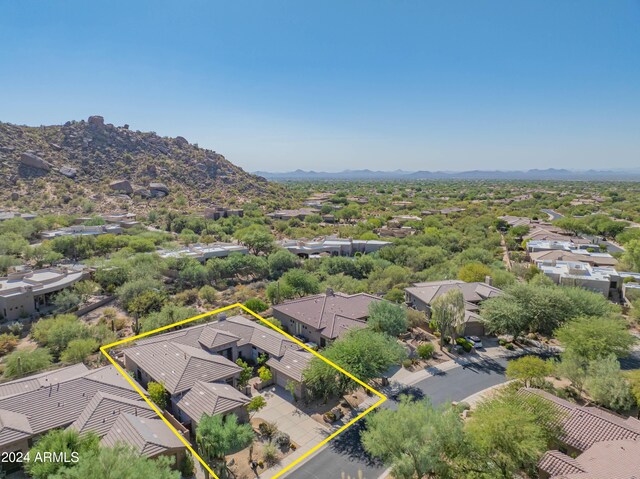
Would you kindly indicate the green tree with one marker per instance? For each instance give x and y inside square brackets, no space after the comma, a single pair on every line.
[386,317]
[169,314]
[256,404]
[596,337]
[218,436]
[246,374]
[146,303]
[631,255]
[633,377]
[208,294]
[280,262]
[416,440]
[301,282]
[158,394]
[531,370]
[448,313]
[130,290]
[22,362]
[265,374]
[85,289]
[78,349]
[122,462]
[65,441]
[256,238]
[539,307]
[472,272]
[66,300]
[58,331]
[573,367]
[606,384]
[364,353]
[256,305]
[509,433]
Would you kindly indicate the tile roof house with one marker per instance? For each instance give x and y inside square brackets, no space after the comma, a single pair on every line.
[324,317]
[85,400]
[197,364]
[422,295]
[607,446]
[178,366]
[212,399]
[618,459]
[580,256]
[148,437]
[289,368]
[103,410]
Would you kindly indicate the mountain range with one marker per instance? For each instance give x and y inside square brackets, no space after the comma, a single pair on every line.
[630,174]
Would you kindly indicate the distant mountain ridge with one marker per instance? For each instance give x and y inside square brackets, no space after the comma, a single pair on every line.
[630,174]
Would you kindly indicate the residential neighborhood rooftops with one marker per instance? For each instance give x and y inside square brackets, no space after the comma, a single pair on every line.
[211,398]
[292,364]
[579,255]
[583,426]
[37,381]
[61,403]
[331,313]
[203,252]
[618,459]
[578,270]
[8,215]
[103,409]
[333,245]
[179,366]
[39,281]
[472,292]
[149,437]
[249,332]
[82,230]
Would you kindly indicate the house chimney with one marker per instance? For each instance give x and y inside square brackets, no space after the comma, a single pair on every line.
[329,292]
[489,280]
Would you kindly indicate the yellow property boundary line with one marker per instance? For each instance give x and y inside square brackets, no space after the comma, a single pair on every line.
[104,349]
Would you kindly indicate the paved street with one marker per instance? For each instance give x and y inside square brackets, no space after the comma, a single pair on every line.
[344,454]
[553,215]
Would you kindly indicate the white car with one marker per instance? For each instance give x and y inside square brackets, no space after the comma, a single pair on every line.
[475,340]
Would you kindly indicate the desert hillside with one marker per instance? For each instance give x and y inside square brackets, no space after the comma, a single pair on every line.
[96,165]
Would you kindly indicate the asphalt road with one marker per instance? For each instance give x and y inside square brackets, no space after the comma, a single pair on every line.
[553,214]
[345,455]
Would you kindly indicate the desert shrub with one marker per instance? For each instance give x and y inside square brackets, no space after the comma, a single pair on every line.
[8,343]
[466,345]
[268,429]
[425,351]
[282,439]
[208,294]
[78,349]
[189,296]
[269,454]
[256,305]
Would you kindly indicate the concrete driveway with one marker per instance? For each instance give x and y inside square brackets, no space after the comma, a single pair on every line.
[302,429]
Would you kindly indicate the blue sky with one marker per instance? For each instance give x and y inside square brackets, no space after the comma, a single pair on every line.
[280,85]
